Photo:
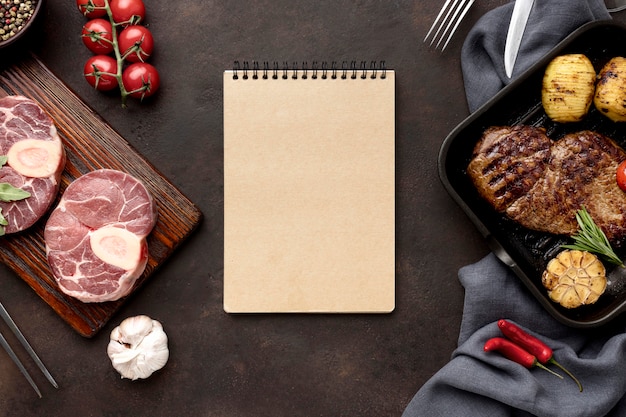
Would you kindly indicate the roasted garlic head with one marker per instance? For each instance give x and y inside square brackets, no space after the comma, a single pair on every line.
[574,278]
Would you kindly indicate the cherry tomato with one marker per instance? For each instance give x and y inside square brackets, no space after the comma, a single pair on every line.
[98,36]
[91,8]
[100,72]
[136,43]
[141,80]
[621,176]
[127,12]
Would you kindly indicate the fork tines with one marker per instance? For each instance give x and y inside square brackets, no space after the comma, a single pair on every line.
[447,21]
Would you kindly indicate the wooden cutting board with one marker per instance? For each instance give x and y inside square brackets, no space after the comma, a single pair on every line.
[90,143]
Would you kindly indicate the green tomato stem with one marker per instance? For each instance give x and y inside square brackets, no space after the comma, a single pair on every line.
[118,56]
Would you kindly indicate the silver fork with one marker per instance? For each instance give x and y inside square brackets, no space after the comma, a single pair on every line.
[453,12]
[4,314]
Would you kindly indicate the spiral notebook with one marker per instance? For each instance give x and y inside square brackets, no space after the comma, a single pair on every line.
[309,188]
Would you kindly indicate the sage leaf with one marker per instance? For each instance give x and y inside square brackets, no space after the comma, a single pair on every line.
[3,222]
[10,193]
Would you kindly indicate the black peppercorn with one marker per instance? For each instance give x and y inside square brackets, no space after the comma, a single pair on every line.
[17,13]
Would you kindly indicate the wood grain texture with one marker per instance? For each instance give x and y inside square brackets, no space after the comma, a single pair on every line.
[90,143]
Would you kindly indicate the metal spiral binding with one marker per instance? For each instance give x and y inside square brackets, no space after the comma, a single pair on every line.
[352,70]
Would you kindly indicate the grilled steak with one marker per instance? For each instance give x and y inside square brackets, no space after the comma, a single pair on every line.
[507,162]
[542,184]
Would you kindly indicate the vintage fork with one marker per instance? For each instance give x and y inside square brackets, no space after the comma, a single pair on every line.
[453,12]
[4,314]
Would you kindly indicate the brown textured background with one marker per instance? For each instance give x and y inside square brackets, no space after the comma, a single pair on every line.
[262,365]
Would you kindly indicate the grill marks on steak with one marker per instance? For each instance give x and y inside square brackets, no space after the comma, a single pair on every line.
[20,119]
[102,198]
[558,178]
[507,162]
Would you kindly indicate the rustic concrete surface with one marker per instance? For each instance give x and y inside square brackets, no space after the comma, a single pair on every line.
[262,365]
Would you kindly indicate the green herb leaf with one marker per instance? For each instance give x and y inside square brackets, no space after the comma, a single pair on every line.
[10,193]
[3,160]
[591,238]
[3,222]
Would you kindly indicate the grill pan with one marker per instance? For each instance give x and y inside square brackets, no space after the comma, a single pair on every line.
[525,251]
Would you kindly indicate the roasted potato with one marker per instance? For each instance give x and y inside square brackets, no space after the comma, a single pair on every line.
[568,88]
[610,97]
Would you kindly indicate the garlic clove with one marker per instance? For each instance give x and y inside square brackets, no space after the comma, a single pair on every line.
[138,347]
[125,355]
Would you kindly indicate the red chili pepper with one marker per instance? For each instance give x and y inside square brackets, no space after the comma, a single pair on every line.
[515,353]
[542,352]
[534,346]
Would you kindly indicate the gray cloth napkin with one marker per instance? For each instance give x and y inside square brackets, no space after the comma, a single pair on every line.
[475,383]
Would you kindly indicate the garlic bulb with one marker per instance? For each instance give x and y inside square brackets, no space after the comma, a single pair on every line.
[138,347]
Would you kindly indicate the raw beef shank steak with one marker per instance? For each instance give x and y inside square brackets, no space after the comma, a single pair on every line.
[96,236]
[35,160]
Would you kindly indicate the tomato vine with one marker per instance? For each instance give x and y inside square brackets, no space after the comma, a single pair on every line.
[128,41]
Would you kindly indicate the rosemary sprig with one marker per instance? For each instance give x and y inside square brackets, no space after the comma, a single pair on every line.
[591,238]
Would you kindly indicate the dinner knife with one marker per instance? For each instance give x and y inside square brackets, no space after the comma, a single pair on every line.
[16,331]
[519,18]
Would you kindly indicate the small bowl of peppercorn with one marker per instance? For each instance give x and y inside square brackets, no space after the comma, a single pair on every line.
[17,18]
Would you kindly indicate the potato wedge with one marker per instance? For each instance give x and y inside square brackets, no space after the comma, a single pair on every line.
[610,97]
[568,88]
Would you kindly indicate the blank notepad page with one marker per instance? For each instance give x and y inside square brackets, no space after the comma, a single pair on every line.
[309,193]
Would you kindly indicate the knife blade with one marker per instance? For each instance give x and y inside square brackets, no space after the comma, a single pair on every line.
[519,18]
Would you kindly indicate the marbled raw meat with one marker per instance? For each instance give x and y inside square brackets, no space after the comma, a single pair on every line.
[100,199]
[22,118]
